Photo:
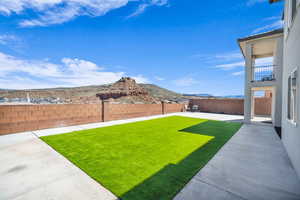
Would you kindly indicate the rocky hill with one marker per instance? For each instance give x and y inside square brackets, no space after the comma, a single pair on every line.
[126,90]
[162,94]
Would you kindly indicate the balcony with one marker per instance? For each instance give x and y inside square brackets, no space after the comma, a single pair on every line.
[263,73]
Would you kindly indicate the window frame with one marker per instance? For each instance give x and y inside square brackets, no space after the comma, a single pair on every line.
[292,97]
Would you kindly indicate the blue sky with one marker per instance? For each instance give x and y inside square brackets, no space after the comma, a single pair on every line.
[187,46]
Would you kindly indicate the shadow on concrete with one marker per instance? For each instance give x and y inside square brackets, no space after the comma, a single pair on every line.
[167,182]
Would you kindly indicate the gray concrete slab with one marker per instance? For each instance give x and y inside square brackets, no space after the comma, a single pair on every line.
[213,116]
[205,191]
[252,165]
[30,169]
[10,140]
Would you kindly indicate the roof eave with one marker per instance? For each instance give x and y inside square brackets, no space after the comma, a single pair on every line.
[239,43]
[261,35]
[258,36]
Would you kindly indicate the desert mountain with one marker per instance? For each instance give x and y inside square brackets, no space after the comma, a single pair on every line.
[126,90]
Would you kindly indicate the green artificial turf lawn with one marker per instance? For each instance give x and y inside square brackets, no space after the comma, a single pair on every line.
[150,159]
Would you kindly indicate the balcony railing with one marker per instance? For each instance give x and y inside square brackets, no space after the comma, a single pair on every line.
[263,73]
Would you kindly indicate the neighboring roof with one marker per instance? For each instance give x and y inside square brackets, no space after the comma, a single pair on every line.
[260,35]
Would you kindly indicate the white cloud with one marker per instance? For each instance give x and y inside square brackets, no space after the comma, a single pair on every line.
[141,8]
[5,39]
[274,25]
[158,78]
[258,62]
[78,66]
[229,56]
[185,81]
[224,61]
[18,73]
[10,64]
[272,18]
[140,79]
[231,65]
[220,57]
[238,73]
[59,11]
[13,42]
[159,2]
[21,83]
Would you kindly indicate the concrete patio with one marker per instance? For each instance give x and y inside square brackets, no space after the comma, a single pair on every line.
[252,165]
[30,169]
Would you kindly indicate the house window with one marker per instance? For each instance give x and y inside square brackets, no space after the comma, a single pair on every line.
[292,97]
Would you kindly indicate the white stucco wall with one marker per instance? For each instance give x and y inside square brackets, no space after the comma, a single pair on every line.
[290,132]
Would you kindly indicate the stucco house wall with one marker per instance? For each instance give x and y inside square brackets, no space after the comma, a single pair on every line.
[291,132]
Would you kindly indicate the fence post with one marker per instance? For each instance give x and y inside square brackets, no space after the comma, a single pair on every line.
[184,106]
[163,107]
[105,110]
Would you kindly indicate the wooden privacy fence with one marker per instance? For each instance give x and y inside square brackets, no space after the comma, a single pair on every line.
[232,106]
[20,118]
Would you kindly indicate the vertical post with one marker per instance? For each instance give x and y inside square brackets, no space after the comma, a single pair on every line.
[248,78]
[252,104]
[105,110]
[274,109]
[277,95]
[163,107]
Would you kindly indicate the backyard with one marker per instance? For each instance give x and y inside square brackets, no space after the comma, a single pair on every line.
[150,159]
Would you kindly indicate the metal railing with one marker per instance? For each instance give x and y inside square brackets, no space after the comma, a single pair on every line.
[263,73]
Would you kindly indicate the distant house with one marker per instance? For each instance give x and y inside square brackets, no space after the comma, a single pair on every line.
[281,77]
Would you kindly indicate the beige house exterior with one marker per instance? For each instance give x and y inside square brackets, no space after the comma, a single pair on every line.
[281,77]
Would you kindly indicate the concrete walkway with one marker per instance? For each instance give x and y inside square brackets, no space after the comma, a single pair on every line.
[253,165]
[31,170]
[213,116]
